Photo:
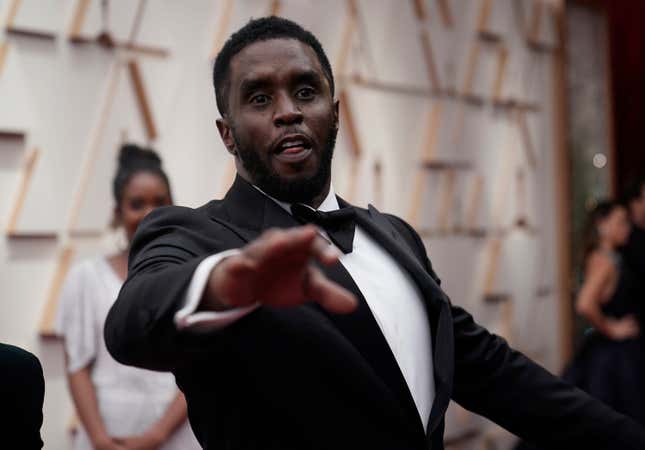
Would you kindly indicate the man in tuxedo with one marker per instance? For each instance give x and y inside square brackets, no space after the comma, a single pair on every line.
[22,390]
[294,320]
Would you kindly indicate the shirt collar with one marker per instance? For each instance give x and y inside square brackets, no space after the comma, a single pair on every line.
[330,203]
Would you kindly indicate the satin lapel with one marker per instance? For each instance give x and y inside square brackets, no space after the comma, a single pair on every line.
[250,213]
[437,306]
[362,330]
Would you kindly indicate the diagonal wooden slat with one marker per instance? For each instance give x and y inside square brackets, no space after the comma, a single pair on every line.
[420,9]
[142,99]
[500,74]
[80,12]
[13,12]
[46,326]
[222,27]
[527,141]
[4,50]
[93,149]
[275,8]
[429,59]
[446,13]
[25,180]
[349,123]
[474,203]
[447,200]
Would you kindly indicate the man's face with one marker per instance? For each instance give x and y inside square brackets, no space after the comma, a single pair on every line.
[282,121]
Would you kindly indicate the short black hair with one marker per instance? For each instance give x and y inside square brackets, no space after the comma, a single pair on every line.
[256,30]
[633,190]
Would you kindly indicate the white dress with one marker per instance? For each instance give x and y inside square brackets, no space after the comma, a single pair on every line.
[130,399]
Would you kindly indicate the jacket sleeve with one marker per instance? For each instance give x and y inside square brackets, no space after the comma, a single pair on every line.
[167,248]
[495,381]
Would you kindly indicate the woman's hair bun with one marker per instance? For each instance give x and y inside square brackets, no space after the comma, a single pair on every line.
[131,155]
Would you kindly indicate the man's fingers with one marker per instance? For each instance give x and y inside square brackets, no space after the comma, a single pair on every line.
[328,294]
[324,252]
[278,243]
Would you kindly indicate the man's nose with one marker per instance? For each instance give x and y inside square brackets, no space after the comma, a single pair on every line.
[286,112]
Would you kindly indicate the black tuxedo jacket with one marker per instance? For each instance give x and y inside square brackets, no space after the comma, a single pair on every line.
[300,378]
[22,391]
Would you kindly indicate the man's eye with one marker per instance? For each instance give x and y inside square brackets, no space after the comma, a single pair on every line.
[260,99]
[136,204]
[305,93]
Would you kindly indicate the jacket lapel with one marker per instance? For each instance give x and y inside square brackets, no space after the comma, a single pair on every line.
[437,306]
[249,214]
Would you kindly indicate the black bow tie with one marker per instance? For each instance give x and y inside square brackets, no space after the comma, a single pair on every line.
[339,224]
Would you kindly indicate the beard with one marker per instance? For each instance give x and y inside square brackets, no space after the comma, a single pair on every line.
[294,190]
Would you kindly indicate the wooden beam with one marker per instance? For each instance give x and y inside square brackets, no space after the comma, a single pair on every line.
[474,203]
[420,181]
[30,33]
[275,8]
[13,12]
[27,175]
[95,140]
[521,219]
[493,256]
[471,69]
[136,23]
[352,185]
[80,12]
[445,13]
[428,56]
[142,100]
[46,327]
[420,9]
[222,27]
[484,16]
[433,121]
[4,49]
[378,183]
[562,195]
[351,23]
[500,74]
[527,141]
[12,135]
[32,235]
[447,200]
[347,118]
[535,24]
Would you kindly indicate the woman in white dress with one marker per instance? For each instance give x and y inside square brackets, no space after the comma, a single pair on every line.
[119,407]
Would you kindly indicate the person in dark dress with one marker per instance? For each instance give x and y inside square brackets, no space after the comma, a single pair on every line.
[634,251]
[607,365]
[22,390]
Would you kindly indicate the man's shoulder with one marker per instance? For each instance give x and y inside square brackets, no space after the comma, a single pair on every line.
[19,362]
[183,215]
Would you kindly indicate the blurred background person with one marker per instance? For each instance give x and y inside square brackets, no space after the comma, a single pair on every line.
[119,407]
[634,251]
[607,365]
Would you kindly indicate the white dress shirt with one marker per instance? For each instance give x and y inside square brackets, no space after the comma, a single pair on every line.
[390,292]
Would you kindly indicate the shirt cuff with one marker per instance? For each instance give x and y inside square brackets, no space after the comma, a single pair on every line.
[187,318]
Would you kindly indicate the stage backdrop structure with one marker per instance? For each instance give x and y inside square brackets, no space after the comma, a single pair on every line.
[451,117]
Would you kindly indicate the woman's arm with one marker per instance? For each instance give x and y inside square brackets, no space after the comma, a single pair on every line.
[599,273]
[84,396]
[161,431]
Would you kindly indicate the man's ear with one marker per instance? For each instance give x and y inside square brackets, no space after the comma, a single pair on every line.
[336,106]
[226,134]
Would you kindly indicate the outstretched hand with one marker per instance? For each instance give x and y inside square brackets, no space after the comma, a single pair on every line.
[276,269]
